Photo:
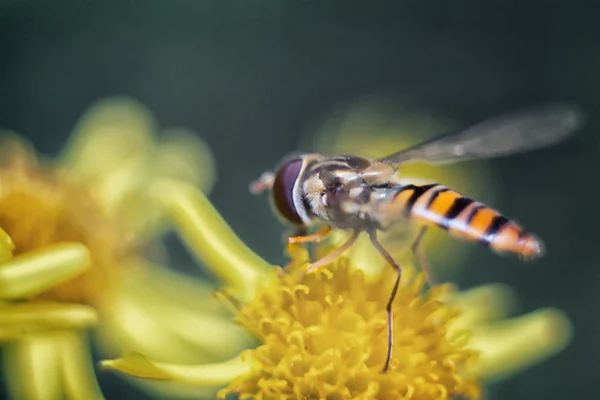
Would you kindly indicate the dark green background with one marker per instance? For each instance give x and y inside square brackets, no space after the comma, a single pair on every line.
[251,77]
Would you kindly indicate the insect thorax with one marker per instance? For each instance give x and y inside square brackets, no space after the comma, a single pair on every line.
[337,194]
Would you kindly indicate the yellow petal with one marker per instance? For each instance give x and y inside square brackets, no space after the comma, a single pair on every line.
[123,326]
[32,368]
[206,375]
[482,304]
[6,246]
[147,296]
[143,278]
[34,272]
[211,239]
[78,375]
[19,319]
[181,156]
[16,147]
[510,346]
[111,152]
[171,332]
[184,156]
[111,132]
[118,186]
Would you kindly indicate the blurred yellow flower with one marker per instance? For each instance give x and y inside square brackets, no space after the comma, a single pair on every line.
[323,335]
[72,230]
[374,128]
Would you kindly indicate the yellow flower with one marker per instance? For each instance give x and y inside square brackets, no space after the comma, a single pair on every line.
[323,335]
[374,127]
[39,209]
[73,231]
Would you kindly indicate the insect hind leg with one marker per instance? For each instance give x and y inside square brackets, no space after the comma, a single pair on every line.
[388,307]
[420,257]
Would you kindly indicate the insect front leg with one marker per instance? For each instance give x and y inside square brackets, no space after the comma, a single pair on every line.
[293,241]
[388,307]
[293,232]
[300,236]
[264,182]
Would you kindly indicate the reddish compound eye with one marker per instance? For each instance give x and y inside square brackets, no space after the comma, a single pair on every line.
[283,190]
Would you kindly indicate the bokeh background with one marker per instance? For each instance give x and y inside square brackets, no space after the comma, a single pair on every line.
[259,79]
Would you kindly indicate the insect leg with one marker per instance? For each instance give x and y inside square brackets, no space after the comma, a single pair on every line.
[264,182]
[295,231]
[421,259]
[388,307]
[334,254]
[315,237]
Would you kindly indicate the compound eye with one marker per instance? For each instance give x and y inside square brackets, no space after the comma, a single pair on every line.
[283,190]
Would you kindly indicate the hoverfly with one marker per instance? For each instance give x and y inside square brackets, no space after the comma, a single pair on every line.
[352,193]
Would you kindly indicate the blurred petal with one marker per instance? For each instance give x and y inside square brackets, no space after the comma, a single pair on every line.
[33,369]
[112,152]
[19,319]
[116,187]
[129,320]
[6,246]
[176,315]
[172,332]
[184,156]
[482,304]
[77,367]
[511,346]
[115,152]
[210,238]
[39,270]
[143,278]
[205,375]
[180,318]
[109,134]
[15,147]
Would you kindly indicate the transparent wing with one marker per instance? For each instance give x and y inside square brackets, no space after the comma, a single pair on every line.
[499,136]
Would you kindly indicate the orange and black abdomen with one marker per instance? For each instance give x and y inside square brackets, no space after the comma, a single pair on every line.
[463,217]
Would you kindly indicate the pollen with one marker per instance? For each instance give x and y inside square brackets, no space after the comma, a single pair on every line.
[39,208]
[324,336]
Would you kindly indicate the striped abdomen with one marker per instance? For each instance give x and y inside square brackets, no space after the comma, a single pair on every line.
[463,217]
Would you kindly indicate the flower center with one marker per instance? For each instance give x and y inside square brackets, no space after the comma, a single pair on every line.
[324,336]
[38,208]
